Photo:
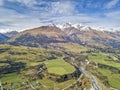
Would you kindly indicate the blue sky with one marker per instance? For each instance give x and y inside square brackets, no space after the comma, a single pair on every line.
[24,14]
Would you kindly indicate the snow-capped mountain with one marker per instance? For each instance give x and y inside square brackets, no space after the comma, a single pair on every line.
[75,33]
[82,27]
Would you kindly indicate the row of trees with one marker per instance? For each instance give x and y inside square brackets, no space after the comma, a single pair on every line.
[11,67]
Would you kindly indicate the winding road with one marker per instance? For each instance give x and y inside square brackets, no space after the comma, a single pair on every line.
[94,82]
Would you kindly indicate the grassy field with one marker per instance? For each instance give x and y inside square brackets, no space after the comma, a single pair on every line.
[103,59]
[36,56]
[45,84]
[59,67]
[14,78]
[31,64]
[51,85]
[32,57]
[3,64]
[113,79]
[72,47]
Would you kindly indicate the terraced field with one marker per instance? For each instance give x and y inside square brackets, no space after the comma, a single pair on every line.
[33,58]
[107,75]
[103,59]
[59,67]
[112,78]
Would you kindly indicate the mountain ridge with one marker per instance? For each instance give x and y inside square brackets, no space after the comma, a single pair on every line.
[11,34]
[53,34]
[3,38]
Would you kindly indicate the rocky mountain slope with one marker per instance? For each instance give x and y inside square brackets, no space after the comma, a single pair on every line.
[45,35]
[39,36]
[11,34]
[3,38]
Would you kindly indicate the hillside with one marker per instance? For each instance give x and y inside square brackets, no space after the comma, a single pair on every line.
[11,34]
[44,35]
[49,57]
[38,36]
[93,36]
[59,44]
[3,38]
[25,67]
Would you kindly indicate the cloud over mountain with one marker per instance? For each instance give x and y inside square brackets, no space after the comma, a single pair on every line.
[23,14]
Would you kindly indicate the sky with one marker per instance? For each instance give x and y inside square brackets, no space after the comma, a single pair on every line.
[24,14]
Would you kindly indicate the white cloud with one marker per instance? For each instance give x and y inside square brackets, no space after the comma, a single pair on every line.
[86,20]
[111,4]
[16,21]
[58,12]
[63,7]
[59,8]
[113,18]
[1,2]
[29,3]
[11,20]
[5,30]
[114,14]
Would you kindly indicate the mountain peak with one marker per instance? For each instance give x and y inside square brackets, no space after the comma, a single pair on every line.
[11,34]
[67,25]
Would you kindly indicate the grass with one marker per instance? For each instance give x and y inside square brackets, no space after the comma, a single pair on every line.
[14,78]
[103,59]
[30,56]
[66,83]
[47,82]
[31,64]
[59,67]
[3,64]
[51,85]
[33,57]
[113,79]
[72,47]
